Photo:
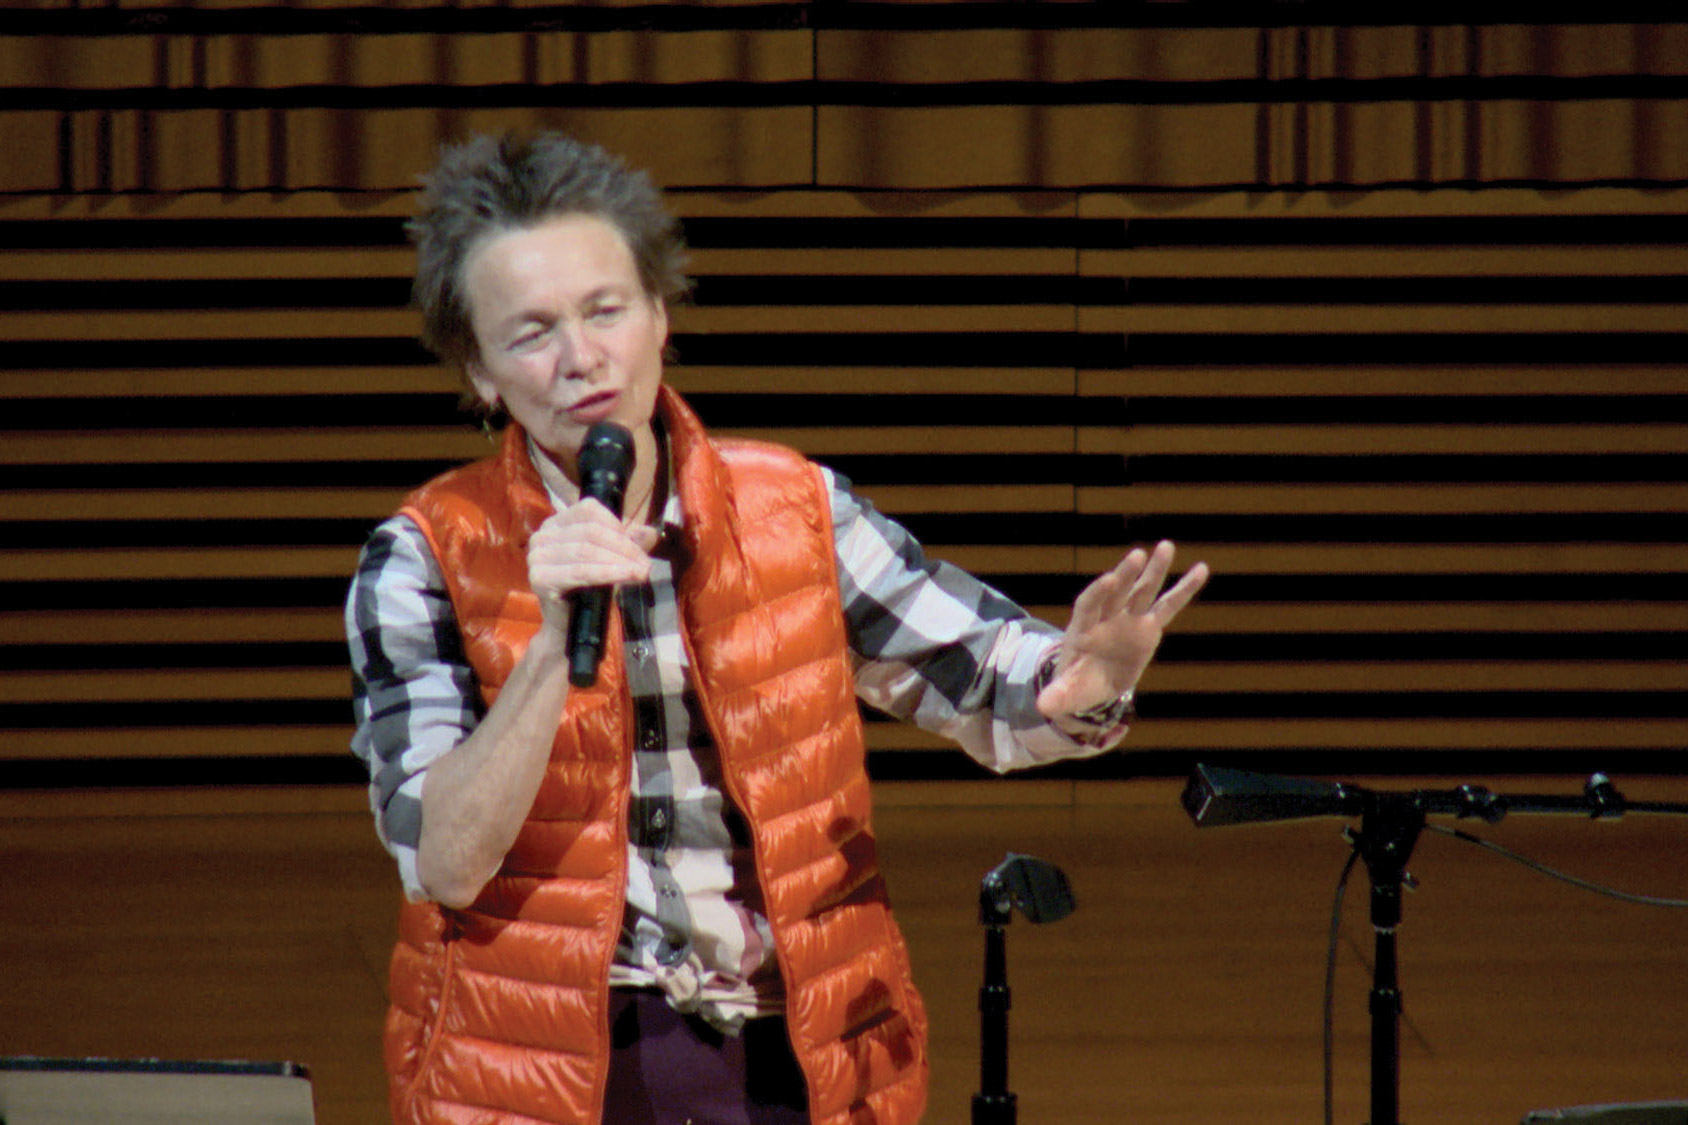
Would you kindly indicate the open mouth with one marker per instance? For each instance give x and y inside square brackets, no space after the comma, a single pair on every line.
[594,407]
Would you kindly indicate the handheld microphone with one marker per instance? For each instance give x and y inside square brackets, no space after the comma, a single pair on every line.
[606,461]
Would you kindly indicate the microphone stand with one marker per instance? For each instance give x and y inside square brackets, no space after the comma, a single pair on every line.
[1041,891]
[1390,824]
[1388,831]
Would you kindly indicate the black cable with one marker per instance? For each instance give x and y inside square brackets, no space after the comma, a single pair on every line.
[1542,868]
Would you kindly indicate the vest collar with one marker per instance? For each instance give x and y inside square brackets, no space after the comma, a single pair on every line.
[701,479]
[530,503]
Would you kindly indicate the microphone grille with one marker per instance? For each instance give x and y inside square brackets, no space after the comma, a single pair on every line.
[608,448]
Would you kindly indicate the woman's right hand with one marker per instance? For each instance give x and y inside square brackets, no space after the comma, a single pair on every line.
[476,796]
[584,545]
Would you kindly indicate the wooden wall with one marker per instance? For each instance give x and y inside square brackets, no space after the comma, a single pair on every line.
[1383,317]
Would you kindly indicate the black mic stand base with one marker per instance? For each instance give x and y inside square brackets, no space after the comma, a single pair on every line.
[994,1109]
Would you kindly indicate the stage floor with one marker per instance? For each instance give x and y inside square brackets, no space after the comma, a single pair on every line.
[1187,988]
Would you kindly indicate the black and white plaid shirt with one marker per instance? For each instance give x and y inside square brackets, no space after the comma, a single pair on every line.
[931,644]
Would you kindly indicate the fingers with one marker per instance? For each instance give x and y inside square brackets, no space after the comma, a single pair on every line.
[1134,586]
[1151,576]
[1171,603]
[584,545]
[1106,594]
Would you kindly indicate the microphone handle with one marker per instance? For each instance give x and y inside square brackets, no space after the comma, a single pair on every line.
[588,617]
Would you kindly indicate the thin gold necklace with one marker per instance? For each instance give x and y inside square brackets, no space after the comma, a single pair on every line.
[630,512]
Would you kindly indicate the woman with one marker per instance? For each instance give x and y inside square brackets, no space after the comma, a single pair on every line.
[656,899]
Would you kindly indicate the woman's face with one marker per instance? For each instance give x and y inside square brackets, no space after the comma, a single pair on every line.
[565,333]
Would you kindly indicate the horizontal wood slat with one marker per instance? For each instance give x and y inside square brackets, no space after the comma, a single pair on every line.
[37,637]
[1383,439]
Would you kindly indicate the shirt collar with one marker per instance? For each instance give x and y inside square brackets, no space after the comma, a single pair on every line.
[673,516]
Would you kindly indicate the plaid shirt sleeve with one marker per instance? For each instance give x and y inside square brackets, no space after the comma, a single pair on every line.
[414,695]
[938,647]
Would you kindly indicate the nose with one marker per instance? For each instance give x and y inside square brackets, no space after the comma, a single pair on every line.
[580,354]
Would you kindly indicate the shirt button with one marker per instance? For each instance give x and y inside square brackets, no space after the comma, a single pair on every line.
[641,651]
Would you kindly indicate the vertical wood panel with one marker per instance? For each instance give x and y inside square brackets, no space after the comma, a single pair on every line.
[955,96]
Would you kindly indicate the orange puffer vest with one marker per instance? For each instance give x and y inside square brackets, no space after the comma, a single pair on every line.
[499,1012]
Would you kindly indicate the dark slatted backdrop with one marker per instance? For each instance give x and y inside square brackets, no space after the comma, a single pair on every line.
[1385,321]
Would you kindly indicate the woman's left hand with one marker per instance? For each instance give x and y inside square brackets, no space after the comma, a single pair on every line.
[1116,627]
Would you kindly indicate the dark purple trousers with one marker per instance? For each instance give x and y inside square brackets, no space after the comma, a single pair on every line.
[672,1069]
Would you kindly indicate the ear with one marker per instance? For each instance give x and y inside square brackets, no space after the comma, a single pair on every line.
[659,311]
[485,390]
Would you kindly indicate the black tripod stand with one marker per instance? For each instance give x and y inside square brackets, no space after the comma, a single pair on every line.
[1041,892]
[1390,824]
